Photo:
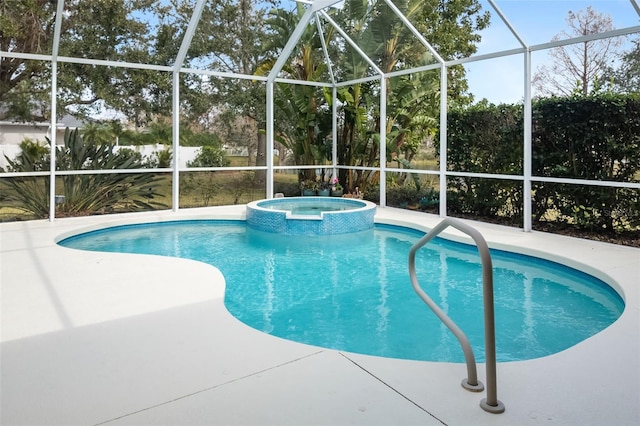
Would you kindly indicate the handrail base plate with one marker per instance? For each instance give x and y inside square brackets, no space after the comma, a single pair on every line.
[473,388]
[493,409]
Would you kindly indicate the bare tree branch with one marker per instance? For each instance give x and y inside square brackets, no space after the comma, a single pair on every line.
[578,67]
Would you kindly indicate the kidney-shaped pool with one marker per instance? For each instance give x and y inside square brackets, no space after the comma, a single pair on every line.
[352,291]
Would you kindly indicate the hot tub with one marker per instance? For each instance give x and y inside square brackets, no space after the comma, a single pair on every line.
[311,215]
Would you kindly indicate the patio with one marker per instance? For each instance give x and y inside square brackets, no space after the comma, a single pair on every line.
[102,338]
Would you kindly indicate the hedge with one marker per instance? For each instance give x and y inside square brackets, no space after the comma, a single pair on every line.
[595,137]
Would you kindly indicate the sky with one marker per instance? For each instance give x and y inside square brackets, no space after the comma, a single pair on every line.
[536,21]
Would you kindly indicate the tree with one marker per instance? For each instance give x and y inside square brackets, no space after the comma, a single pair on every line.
[452,27]
[230,39]
[300,106]
[159,132]
[24,27]
[90,29]
[626,79]
[98,133]
[412,102]
[578,67]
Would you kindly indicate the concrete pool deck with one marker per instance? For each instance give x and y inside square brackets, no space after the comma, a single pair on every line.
[93,338]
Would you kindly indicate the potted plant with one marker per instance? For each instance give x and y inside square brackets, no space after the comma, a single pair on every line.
[336,188]
[324,189]
[308,187]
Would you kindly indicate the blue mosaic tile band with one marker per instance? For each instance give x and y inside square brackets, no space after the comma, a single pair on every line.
[311,215]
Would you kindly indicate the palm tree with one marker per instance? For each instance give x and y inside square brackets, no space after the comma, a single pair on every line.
[411,101]
[300,106]
[159,132]
[98,133]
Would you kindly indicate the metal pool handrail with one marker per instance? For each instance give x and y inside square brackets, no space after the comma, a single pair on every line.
[491,402]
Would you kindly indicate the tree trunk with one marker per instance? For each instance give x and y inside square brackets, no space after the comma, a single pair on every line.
[282,153]
[261,155]
[251,158]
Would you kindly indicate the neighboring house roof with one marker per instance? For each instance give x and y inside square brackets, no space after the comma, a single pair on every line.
[72,122]
[66,121]
[12,132]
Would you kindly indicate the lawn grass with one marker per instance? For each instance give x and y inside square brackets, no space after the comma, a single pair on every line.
[197,189]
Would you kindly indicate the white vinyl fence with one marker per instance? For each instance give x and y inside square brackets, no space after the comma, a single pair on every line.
[187,153]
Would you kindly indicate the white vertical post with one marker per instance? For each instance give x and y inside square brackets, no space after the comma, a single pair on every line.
[52,147]
[54,108]
[175,182]
[383,141]
[334,129]
[175,101]
[443,141]
[270,138]
[527,149]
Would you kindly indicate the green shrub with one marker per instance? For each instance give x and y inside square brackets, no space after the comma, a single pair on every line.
[210,156]
[160,159]
[595,137]
[289,189]
[408,196]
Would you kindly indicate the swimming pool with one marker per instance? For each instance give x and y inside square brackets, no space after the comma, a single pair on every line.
[352,292]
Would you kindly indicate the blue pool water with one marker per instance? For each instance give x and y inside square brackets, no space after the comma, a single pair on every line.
[352,291]
[311,206]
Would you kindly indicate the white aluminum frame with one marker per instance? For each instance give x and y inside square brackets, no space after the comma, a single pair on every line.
[316,12]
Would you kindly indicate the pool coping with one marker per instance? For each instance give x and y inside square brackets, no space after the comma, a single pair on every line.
[68,316]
